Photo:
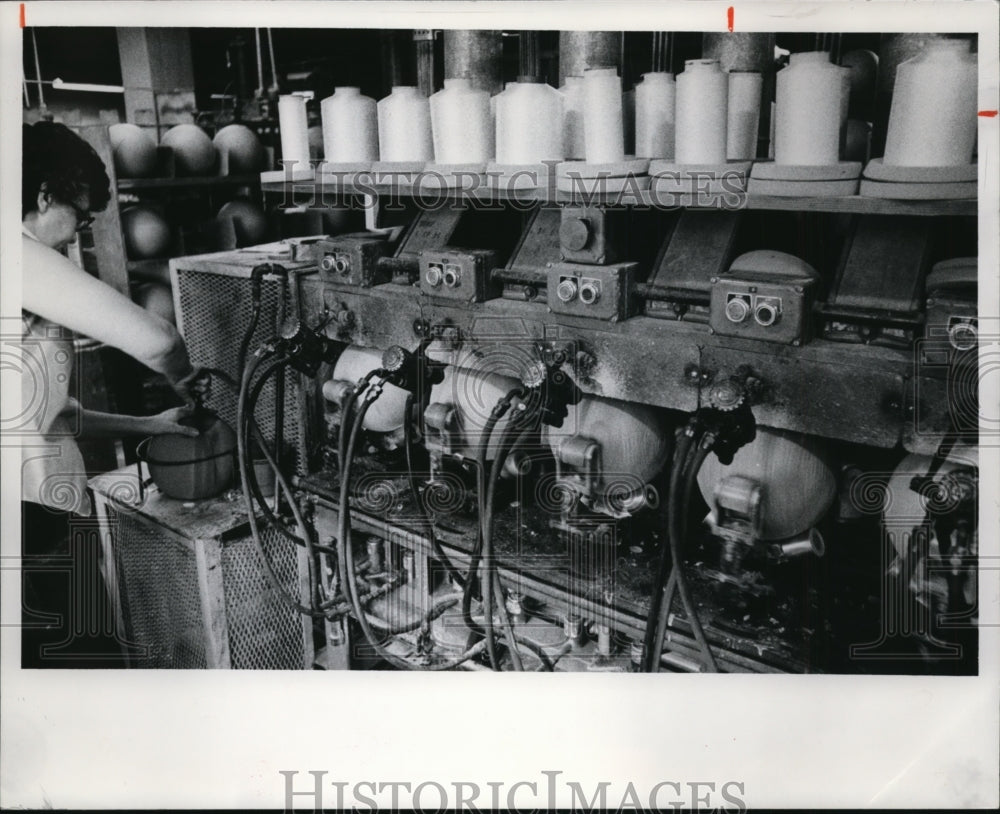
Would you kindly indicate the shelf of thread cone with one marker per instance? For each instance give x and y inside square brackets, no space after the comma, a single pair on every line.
[851,204]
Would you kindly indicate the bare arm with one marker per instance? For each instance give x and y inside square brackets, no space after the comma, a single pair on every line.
[94,424]
[56,289]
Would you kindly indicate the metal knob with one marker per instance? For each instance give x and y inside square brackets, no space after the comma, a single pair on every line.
[291,329]
[726,395]
[327,263]
[589,293]
[566,290]
[765,314]
[433,276]
[737,310]
[395,358]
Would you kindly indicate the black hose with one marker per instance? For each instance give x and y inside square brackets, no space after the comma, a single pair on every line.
[682,509]
[250,425]
[491,578]
[498,411]
[682,586]
[241,441]
[241,359]
[346,559]
[279,430]
[508,626]
[439,554]
[345,413]
[664,564]
[411,478]
[470,578]
[547,664]
[478,560]
[523,425]
[273,521]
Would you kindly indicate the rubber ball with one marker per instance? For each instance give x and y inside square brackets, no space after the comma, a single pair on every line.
[146,231]
[248,220]
[134,151]
[245,152]
[194,153]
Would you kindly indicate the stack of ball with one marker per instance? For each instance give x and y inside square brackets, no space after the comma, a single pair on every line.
[235,149]
[147,234]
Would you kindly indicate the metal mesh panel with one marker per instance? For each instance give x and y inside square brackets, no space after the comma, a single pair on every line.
[216,310]
[264,633]
[161,604]
[158,589]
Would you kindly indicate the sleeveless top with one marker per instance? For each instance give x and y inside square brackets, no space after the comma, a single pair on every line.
[52,469]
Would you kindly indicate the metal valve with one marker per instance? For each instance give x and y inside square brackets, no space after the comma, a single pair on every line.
[305,348]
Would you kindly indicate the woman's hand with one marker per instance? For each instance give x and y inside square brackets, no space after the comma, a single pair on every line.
[168,422]
[195,387]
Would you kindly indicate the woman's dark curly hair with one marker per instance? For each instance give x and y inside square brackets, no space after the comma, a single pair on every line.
[57,157]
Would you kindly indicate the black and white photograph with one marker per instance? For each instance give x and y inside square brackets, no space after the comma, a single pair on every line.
[355,354]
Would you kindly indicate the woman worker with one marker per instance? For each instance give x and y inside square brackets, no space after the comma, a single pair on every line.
[64,181]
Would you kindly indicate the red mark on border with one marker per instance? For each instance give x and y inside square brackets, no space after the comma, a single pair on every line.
[988,113]
[22,15]
[730,14]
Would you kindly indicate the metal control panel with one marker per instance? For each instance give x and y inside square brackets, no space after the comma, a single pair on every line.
[351,260]
[586,235]
[755,308]
[458,274]
[595,292]
[765,295]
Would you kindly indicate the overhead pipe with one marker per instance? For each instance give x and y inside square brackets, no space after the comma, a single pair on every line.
[477,56]
[581,50]
[274,65]
[423,39]
[529,58]
[38,72]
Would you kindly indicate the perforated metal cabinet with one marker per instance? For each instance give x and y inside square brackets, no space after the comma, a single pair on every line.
[212,299]
[188,587]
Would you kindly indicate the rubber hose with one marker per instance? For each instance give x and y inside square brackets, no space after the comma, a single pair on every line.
[346,562]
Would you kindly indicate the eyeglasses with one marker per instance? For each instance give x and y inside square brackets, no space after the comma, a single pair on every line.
[83,217]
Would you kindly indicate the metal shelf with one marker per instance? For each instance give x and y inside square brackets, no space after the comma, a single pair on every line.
[853,204]
[125,184]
